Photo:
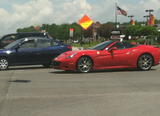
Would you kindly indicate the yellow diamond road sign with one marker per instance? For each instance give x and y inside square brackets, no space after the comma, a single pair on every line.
[85,22]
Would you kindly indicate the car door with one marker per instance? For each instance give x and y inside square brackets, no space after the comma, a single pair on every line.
[44,51]
[47,50]
[26,53]
[103,59]
[120,56]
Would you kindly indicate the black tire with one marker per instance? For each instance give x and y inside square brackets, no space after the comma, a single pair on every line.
[145,62]
[4,64]
[84,64]
[47,65]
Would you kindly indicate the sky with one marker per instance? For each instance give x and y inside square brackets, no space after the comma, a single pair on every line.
[24,13]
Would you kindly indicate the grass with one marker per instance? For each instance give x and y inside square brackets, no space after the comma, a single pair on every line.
[157,45]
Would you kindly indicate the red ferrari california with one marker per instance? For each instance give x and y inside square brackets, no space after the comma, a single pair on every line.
[109,55]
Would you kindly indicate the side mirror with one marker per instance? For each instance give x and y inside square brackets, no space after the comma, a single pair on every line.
[112,49]
[17,47]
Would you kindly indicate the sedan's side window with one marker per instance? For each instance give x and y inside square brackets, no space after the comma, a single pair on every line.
[54,43]
[9,39]
[28,44]
[43,43]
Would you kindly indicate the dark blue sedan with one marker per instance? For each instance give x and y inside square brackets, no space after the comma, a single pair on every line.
[31,51]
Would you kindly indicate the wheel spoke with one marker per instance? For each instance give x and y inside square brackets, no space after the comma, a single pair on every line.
[145,62]
[84,64]
[3,64]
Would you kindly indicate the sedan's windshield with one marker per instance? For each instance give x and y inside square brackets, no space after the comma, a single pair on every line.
[12,44]
[101,46]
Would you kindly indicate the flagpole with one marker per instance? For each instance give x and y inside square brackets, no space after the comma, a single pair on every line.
[116,18]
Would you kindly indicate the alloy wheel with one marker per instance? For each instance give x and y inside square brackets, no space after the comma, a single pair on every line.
[145,62]
[84,64]
[3,64]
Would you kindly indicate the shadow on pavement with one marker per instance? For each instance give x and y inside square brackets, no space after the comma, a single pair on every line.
[27,68]
[20,81]
[101,71]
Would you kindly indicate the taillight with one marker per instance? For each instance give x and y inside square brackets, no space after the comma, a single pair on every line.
[69,47]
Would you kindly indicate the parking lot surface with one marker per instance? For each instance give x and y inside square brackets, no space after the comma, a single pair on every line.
[36,91]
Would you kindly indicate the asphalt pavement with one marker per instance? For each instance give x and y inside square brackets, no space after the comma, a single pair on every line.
[37,91]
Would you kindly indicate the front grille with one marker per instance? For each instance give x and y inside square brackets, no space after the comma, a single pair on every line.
[56,63]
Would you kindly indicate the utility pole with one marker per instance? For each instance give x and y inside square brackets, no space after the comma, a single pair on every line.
[150,11]
[146,17]
[150,16]
[116,18]
[131,17]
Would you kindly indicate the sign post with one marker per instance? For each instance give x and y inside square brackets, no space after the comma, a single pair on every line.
[71,35]
[71,32]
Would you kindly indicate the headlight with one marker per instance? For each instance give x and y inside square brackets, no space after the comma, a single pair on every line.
[71,56]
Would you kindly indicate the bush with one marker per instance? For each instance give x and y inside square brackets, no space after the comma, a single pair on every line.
[141,41]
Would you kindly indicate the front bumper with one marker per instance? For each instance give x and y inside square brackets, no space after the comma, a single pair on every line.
[64,65]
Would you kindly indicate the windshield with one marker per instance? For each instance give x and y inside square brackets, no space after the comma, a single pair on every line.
[101,46]
[12,44]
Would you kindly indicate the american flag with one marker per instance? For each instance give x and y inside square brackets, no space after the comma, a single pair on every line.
[121,11]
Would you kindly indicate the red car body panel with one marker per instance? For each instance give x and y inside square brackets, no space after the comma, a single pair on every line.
[104,59]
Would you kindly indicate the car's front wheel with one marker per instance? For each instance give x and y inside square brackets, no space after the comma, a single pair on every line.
[84,64]
[4,64]
[145,62]
[47,65]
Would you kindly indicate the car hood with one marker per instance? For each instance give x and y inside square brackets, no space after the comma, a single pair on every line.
[2,50]
[8,51]
[82,52]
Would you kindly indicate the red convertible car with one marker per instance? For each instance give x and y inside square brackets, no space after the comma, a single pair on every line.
[109,55]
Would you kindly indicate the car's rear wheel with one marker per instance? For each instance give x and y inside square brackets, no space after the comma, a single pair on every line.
[84,64]
[4,64]
[145,62]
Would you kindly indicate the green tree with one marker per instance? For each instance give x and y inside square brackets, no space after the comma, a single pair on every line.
[27,29]
[148,30]
[106,29]
[133,30]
